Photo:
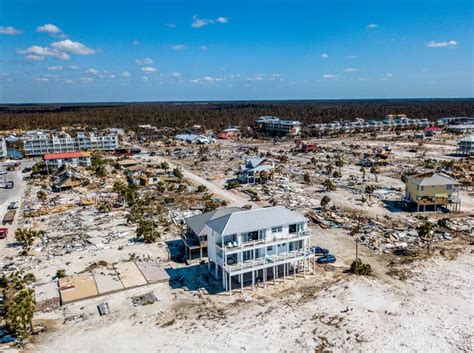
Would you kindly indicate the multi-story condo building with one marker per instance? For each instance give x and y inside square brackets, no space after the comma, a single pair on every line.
[3,147]
[76,159]
[466,146]
[273,126]
[256,245]
[430,191]
[40,143]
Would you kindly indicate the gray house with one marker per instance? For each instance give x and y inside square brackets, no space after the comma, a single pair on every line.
[197,229]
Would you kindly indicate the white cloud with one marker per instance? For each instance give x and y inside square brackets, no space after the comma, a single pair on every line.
[74,67]
[171,25]
[255,78]
[351,69]
[179,47]
[144,61]
[324,55]
[176,74]
[49,28]
[145,78]
[387,77]
[34,57]
[330,76]
[125,74]
[85,80]
[222,19]
[148,69]
[38,53]
[10,31]
[135,42]
[206,79]
[203,47]
[55,68]
[42,79]
[69,46]
[111,76]
[201,22]
[92,72]
[351,56]
[68,81]
[433,44]
[372,26]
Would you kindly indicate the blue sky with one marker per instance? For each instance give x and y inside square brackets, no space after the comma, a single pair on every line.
[89,51]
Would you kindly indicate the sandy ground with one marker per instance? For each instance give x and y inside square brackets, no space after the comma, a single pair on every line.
[430,312]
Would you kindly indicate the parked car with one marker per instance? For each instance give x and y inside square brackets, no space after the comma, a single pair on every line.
[27,170]
[3,233]
[326,259]
[319,250]
[13,205]
[3,172]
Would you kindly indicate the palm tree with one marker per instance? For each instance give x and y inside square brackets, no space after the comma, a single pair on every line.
[339,164]
[369,189]
[329,185]
[325,201]
[375,171]
[362,170]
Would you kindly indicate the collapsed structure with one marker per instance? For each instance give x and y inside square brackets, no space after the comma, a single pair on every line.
[255,245]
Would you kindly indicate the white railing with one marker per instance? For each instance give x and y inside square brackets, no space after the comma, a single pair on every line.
[231,246]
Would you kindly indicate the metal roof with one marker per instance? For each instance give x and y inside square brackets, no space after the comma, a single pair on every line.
[66,155]
[255,219]
[433,179]
[198,223]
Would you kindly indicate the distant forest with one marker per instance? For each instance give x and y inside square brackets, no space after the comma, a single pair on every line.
[217,115]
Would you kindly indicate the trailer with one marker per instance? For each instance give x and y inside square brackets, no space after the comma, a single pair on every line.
[9,217]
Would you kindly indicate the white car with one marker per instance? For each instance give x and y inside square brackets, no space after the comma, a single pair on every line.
[3,172]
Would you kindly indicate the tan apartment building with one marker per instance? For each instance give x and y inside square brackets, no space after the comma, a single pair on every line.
[430,191]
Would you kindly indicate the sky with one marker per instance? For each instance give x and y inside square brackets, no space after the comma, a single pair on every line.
[116,50]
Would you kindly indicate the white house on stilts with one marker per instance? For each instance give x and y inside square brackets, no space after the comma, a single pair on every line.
[254,246]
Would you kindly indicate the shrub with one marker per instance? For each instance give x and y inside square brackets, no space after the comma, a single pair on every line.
[360,269]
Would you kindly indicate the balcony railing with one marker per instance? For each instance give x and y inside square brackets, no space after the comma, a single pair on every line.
[229,247]
[269,260]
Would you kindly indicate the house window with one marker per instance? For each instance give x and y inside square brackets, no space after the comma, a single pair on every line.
[269,248]
[449,187]
[277,229]
[292,228]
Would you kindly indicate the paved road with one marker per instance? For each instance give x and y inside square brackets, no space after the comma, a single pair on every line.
[217,190]
[10,195]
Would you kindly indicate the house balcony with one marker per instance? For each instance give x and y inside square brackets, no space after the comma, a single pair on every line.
[234,247]
[268,261]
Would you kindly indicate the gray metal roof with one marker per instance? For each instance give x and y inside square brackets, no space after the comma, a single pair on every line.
[198,223]
[255,219]
[433,180]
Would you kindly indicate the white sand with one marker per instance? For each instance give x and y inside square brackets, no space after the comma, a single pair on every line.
[431,312]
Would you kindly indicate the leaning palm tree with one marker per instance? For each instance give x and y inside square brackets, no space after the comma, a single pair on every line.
[329,184]
[362,170]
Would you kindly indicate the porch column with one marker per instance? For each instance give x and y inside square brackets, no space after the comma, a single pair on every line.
[294,270]
[230,284]
[264,271]
[274,271]
[200,252]
[241,283]
[253,280]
